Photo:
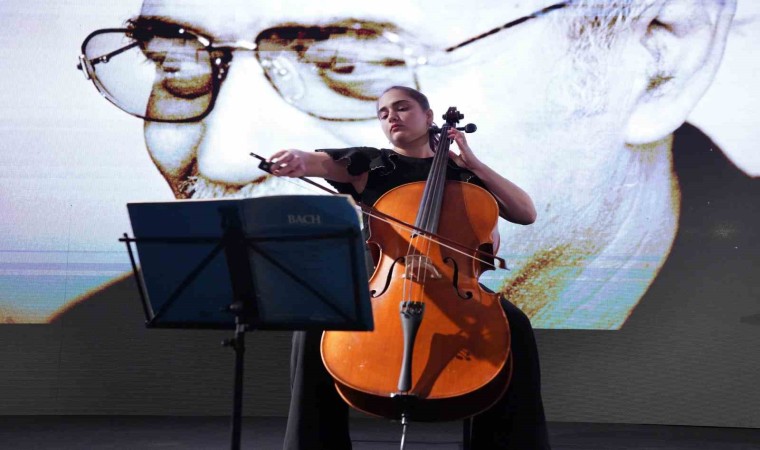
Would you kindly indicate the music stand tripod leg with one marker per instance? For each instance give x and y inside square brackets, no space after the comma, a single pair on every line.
[238,344]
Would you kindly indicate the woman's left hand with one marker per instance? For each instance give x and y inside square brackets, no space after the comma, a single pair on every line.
[466,158]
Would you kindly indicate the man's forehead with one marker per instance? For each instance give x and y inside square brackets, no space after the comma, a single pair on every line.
[445,21]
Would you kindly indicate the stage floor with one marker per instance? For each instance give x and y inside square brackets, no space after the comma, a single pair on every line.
[132,432]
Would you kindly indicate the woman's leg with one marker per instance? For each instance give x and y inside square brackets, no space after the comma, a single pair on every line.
[517,420]
[318,417]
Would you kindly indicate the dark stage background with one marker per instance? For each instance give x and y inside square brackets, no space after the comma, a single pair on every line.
[682,349]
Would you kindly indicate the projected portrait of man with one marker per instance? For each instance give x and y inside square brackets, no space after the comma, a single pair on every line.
[581,103]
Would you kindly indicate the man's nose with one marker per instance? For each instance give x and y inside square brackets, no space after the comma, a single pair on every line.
[249,116]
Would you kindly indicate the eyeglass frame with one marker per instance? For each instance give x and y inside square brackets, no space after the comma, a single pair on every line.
[223,51]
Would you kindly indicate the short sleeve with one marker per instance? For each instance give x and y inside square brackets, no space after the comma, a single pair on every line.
[362,159]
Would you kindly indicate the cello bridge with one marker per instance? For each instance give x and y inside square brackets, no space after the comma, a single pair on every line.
[420,267]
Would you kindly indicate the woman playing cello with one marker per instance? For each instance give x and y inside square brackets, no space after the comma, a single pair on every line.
[318,418]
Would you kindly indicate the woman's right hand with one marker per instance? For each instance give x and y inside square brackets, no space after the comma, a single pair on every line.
[288,163]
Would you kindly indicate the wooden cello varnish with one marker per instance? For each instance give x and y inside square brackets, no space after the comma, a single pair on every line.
[460,360]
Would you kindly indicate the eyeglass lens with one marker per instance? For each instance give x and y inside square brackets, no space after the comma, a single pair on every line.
[161,78]
[338,76]
[335,73]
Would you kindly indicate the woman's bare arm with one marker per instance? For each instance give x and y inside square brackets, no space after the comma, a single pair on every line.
[299,163]
[515,204]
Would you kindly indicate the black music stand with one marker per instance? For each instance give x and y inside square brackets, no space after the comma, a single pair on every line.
[268,263]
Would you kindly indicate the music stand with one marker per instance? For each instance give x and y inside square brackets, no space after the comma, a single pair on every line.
[268,263]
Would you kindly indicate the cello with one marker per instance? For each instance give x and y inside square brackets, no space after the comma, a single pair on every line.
[441,345]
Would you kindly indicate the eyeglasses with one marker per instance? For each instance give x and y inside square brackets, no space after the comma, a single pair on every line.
[166,73]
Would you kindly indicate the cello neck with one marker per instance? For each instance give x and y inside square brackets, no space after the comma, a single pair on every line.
[432,198]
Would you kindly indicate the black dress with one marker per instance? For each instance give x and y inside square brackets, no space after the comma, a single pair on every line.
[318,417]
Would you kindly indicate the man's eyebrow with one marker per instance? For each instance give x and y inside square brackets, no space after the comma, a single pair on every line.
[145,21]
[357,29]
[360,28]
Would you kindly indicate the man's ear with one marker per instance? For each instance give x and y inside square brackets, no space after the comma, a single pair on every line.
[682,42]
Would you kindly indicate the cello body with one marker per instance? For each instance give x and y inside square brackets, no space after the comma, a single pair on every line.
[460,353]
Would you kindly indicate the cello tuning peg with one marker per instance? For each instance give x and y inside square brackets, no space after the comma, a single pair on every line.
[469,128]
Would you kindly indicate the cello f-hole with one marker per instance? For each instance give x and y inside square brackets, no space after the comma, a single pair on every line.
[373,293]
[455,278]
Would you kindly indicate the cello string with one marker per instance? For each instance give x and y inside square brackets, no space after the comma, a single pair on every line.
[413,259]
[436,192]
[426,209]
[408,295]
[406,292]
[424,223]
[430,238]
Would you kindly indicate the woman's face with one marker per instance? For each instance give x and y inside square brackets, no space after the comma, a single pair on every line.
[402,119]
